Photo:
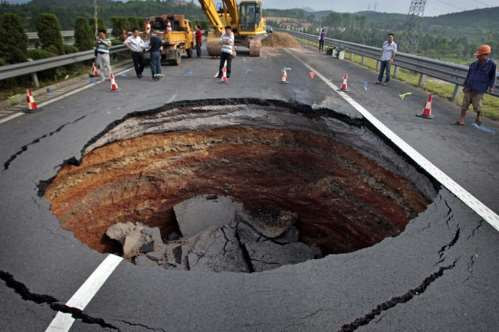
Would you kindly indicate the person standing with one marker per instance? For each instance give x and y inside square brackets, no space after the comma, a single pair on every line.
[390,49]
[199,40]
[155,46]
[136,46]
[102,54]
[481,78]
[322,38]
[227,52]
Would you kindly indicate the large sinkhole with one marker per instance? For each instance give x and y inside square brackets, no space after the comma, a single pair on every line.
[236,185]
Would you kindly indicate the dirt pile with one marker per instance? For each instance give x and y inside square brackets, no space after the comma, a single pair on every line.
[281,40]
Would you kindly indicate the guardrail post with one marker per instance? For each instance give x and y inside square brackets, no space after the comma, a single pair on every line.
[34,77]
[421,81]
[395,72]
[377,65]
[363,60]
[455,93]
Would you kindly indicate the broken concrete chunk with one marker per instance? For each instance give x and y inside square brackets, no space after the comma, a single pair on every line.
[269,255]
[119,231]
[197,214]
[155,235]
[215,250]
[269,222]
[173,236]
[145,261]
[157,256]
[136,243]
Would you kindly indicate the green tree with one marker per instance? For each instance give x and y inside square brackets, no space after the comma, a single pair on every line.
[100,24]
[84,36]
[14,45]
[49,33]
[119,23]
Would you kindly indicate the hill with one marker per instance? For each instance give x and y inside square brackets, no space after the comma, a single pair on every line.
[68,10]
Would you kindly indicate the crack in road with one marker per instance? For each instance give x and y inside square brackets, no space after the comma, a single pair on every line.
[475,230]
[57,306]
[54,304]
[140,325]
[37,140]
[470,266]
[452,243]
[394,301]
[244,251]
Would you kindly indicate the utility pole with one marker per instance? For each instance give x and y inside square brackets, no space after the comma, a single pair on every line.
[96,26]
[416,11]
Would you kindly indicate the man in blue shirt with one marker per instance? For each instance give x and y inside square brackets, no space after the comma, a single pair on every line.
[481,78]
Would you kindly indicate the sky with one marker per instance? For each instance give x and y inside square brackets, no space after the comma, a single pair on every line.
[433,7]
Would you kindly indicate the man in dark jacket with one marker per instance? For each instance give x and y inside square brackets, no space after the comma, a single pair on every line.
[481,78]
[155,45]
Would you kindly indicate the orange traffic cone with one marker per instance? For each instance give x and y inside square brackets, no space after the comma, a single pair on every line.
[30,100]
[427,112]
[344,84]
[114,85]
[312,74]
[95,71]
[284,78]
[225,79]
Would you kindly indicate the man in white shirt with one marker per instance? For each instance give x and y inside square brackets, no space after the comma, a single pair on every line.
[227,41]
[387,58]
[137,46]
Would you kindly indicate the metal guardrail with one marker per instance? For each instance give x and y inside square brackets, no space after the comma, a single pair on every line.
[64,34]
[445,71]
[33,67]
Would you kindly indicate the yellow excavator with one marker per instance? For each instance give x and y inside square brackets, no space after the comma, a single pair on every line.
[245,18]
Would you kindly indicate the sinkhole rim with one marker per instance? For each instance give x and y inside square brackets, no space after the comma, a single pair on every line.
[306,111]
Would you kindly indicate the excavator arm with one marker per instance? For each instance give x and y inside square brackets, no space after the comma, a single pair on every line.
[211,12]
[232,9]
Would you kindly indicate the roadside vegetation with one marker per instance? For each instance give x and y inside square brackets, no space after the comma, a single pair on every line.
[490,107]
[453,37]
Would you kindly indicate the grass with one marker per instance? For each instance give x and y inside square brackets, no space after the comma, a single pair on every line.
[490,107]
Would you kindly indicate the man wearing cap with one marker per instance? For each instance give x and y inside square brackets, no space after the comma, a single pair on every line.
[481,78]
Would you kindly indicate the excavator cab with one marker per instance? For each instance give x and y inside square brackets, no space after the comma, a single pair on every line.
[250,15]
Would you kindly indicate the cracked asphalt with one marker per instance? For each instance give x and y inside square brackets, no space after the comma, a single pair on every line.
[438,275]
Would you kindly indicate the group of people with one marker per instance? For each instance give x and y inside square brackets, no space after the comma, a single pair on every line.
[481,77]
[138,47]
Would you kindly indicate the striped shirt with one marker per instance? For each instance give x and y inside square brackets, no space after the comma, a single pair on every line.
[227,43]
[103,46]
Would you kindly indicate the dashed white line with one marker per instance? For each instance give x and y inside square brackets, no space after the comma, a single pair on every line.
[83,296]
[467,198]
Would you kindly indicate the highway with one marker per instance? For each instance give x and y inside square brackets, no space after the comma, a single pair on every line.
[440,274]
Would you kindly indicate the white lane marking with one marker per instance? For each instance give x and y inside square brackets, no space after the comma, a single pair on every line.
[53,100]
[11,117]
[80,299]
[467,198]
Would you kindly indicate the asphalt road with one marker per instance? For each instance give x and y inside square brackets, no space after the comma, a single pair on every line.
[438,275]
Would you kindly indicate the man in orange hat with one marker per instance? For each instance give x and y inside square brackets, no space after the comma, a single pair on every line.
[481,78]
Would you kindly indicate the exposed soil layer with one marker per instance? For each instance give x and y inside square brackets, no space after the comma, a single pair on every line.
[265,157]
